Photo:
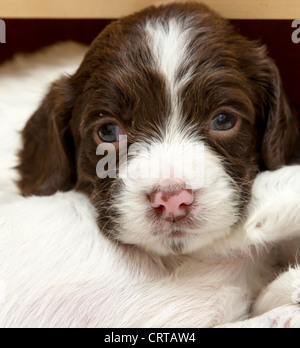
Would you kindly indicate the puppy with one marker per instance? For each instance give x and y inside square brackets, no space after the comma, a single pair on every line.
[180,83]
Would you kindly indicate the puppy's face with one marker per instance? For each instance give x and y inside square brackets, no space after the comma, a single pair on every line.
[184,111]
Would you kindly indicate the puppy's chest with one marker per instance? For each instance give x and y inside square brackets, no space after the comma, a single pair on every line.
[234,271]
[213,291]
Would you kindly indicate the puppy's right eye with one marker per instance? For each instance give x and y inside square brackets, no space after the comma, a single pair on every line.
[223,122]
[109,133]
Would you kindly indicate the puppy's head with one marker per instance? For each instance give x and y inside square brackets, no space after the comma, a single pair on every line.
[165,125]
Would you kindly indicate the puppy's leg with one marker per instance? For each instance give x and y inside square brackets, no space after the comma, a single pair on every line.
[284,291]
[275,206]
[275,222]
[279,318]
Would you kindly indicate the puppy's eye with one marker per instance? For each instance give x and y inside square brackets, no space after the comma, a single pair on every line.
[223,122]
[109,133]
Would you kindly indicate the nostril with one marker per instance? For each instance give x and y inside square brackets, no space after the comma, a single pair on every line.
[172,206]
[160,208]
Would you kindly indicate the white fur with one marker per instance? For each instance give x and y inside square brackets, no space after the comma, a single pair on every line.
[58,270]
[285,317]
[284,291]
[278,215]
[212,217]
[169,44]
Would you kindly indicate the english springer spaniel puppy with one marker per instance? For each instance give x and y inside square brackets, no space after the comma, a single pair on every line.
[165,126]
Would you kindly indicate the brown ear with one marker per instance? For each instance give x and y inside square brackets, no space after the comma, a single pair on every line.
[281,126]
[47,161]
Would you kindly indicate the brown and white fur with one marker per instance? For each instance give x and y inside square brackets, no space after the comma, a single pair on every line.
[161,77]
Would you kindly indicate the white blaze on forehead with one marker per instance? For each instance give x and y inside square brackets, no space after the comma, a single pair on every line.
[169,43]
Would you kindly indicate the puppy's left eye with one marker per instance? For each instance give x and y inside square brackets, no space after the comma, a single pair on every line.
[223,122]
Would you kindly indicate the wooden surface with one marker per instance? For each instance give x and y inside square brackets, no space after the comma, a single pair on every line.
[234,9]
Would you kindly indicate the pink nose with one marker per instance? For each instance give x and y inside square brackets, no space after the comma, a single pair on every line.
[172,205]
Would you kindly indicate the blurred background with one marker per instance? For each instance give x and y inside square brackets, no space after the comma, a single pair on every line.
[29,34]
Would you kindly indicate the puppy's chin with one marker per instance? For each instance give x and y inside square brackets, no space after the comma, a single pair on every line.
[179,242]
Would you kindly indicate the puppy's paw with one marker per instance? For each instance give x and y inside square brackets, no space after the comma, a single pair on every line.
[273,213]
[279,318]
[283,291]
[282,318]
[294,321]
[262,226]
[274,222]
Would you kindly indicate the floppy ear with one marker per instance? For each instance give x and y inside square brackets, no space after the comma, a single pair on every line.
[47,162]
[281,127]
